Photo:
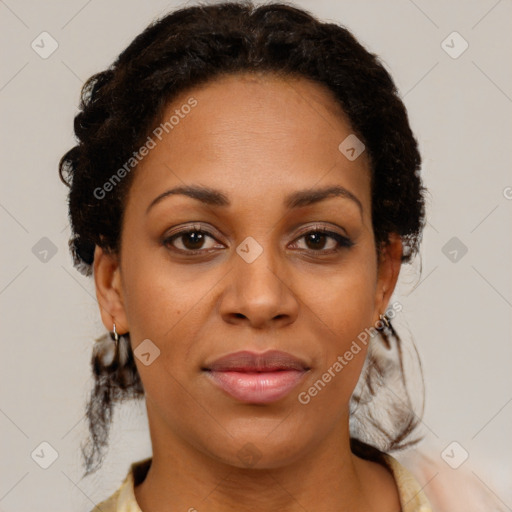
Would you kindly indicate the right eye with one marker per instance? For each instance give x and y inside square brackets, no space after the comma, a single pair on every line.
[189,241]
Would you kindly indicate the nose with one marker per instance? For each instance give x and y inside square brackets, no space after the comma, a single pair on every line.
[258,293]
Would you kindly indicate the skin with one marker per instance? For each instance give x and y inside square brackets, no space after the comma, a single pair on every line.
[256,138]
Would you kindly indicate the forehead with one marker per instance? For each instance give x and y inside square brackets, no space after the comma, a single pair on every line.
[253,136]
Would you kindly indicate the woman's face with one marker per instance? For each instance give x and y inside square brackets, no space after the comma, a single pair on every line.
[248,276]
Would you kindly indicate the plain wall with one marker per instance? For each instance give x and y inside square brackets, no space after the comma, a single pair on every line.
[459,312]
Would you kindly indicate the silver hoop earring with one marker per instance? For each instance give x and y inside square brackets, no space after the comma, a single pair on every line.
[385,320]
[116,336]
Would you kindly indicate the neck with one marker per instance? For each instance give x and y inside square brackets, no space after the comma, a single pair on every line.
[328,476]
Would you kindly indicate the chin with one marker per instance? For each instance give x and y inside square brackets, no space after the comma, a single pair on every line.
[257,449]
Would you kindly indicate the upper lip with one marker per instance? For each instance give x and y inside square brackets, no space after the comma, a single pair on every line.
[246,361]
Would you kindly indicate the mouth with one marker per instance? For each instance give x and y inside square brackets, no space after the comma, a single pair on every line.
[257,378]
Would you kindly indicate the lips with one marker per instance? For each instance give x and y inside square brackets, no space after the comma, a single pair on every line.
[257,378]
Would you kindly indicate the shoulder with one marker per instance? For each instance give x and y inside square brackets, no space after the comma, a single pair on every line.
[110,504]
[412,496]
[123,499]
[447,489]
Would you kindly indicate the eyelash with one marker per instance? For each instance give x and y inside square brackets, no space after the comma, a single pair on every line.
[343,241]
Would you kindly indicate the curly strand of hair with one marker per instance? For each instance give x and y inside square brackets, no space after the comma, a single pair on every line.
[116,379]
[395,421]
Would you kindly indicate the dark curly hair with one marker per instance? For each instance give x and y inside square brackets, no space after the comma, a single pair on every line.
[121,106]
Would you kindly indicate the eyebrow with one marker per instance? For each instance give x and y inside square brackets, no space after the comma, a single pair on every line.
[298,199]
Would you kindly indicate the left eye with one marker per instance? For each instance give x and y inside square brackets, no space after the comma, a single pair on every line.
[316,240]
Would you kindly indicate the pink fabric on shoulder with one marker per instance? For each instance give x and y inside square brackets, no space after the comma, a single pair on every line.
[448,489]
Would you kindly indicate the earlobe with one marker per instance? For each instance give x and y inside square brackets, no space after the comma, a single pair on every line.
[107,280]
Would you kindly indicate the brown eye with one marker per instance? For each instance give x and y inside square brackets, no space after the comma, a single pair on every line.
[192,240]
[317,239]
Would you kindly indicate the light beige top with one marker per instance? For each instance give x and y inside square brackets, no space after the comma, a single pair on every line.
[412,498]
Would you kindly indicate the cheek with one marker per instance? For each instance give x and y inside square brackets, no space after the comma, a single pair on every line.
[344,302]
[341,310]
[166,305]
[164,312]
[160,297]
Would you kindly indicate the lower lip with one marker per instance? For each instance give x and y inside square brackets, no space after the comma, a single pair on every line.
[257,387]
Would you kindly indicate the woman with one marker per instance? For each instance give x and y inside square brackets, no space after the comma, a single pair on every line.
[244,190]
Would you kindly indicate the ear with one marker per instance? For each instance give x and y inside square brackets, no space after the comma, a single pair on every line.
[107,279]
[390,261]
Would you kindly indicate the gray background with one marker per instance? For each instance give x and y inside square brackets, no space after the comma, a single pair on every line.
[459,312]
